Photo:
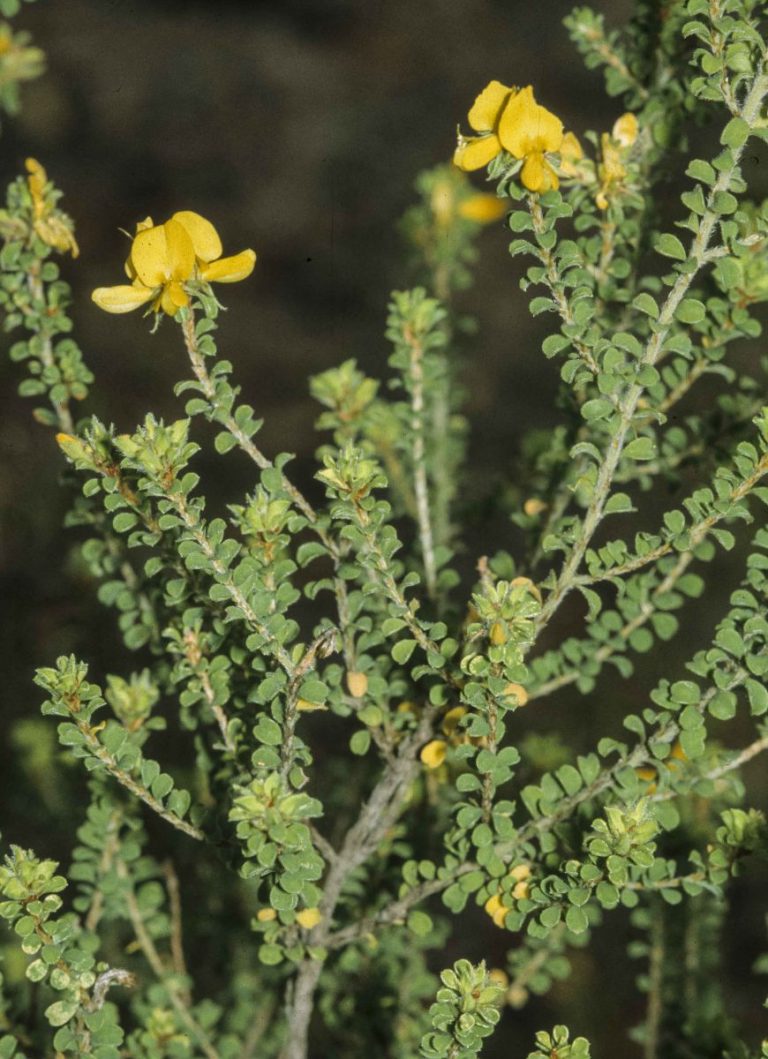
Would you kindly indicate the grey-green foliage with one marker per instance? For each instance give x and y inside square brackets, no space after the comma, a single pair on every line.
[465,1012]
[343,689]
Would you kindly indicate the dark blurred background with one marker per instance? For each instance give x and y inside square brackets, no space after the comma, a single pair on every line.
[298,127]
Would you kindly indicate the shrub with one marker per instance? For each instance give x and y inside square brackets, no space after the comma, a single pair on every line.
[348,777]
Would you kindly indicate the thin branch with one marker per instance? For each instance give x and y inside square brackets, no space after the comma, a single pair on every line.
[698,258]
[655,1004]
[152,956]
[376,817]
[177,932]
[421,488]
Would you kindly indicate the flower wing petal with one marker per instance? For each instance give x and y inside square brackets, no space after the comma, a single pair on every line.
[123,298]
[230,269]
[487,107]
[205,238]
[476,152]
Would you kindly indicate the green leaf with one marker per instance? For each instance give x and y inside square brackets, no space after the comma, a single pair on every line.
[419,924]
[59,1013]
[270,955]
[690,311]
[360,742]
[645,303]
[640,449]
[735,134]
[403,650]
[576,920]
[618,504]
[597,408]
[671,246]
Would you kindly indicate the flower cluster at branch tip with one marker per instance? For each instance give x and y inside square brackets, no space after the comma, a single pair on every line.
[495,906]
[510,119]
[166,258]
[49,224]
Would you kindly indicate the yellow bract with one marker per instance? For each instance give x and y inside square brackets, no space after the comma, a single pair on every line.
[164,258]
[513,121]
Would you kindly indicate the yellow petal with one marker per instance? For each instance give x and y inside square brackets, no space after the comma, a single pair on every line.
[433,754]
[308,917]
[266,915]
[180,251]
[173,298]
[526,127]
[230,269]
[571,153]
[476,152]
[534,506]
[538,175]
[625,129]
[205,238]
[149,256]
[482,209]
[442,202]
[36,182]
[123,298]
[487,107]
[496,910]
[452,718]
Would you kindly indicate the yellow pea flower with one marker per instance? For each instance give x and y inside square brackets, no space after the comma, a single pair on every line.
[433,754]
[513,121]
[496,910]
[534,506]
[484,117]
[266,915]
[308,918]
[519,692]
[164,258]
[357,684]
[625,130]
[615,146]
[529,131]
[571,154]
[451,720]
[305,706]
[49,225]
[482,209]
